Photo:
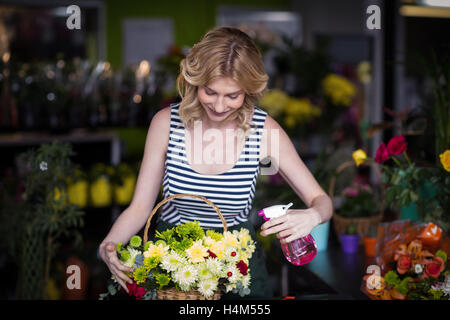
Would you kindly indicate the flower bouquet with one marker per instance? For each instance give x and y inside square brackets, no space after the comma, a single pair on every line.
[414,264]
[187,263]
[410,186]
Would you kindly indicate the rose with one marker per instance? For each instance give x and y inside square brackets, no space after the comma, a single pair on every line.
[434,267]
[382,153]
[403,264]
[243,268]
[359,156]
[136,291]
[396,145]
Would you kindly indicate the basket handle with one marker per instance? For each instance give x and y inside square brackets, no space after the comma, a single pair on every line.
[182,195]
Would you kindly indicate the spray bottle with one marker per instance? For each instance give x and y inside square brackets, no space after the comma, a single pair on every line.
[298,252]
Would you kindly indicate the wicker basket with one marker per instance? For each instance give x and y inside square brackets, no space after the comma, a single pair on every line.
[363,224]
[172,293]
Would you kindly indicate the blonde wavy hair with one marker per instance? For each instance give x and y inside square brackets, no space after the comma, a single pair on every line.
[222,52]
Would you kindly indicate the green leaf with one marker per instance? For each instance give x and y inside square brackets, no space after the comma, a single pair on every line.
[414,197]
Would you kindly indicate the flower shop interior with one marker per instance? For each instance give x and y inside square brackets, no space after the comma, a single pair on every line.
[362,89]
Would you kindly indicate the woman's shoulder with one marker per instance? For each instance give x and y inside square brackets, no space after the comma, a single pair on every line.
[161,119]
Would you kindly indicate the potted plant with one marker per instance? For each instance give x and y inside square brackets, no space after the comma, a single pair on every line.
[370,242]
[350,239]
[358,204]
[418,191]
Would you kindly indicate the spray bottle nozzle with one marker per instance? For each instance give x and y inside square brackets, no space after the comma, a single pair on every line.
[274,211]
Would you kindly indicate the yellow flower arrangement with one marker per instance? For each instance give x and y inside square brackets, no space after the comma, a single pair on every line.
[187,258]
[293,111]
[299,111]
[274,102]
[338,89]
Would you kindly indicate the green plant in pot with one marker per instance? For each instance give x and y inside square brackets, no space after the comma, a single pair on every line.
[358,203]
[49,220]
[350,239]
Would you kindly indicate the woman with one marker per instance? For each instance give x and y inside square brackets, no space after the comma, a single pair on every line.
[221,80]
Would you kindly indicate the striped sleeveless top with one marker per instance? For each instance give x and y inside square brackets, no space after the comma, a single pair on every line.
[232,191]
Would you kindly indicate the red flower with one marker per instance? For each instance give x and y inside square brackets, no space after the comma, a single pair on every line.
[211,254]
[136,291]
[382,153]
[403,264]
[434,267]
[243,268]
[396,145]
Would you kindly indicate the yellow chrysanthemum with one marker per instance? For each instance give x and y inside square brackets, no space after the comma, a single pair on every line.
[445,160]
[230,240]
[245,238]
[338,89]
[300,111]
[157,251]
[274,102]
[218,249]
[359,156]
[140,275]
[197,252]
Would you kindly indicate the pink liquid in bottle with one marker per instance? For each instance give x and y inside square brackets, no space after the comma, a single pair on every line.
[300,251]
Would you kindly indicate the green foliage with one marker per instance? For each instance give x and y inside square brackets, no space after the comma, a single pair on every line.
[351,229]
[391,278]
[50,217]
[428,188]
[361,205]
[440,74]
[190,230]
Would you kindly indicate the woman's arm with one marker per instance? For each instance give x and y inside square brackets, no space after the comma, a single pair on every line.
[147,189]
[297,223]
[148,183]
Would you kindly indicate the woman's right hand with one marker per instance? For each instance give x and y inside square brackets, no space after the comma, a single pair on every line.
[109,255]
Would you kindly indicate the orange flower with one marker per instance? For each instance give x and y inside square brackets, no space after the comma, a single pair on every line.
[434,268]
[403,264]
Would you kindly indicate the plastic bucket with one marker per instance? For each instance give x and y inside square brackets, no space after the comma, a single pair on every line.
[320,235]
[349,242]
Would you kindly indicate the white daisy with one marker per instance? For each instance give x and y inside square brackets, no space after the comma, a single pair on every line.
[232,273]
[246,280]
[207,287]
[133,254]
[418,268]
[214,265]
[232,255]
[172,261]
[185,276]
[203,271]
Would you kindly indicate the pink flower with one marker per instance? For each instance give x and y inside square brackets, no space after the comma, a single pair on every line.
[403,264]
[350,192]
[396,145]
[382,153]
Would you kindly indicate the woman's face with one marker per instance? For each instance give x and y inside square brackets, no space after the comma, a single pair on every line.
[220,98]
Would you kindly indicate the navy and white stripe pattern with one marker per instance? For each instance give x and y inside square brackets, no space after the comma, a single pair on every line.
[231,191]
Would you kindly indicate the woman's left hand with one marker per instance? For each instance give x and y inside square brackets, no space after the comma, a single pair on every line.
[295,224]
